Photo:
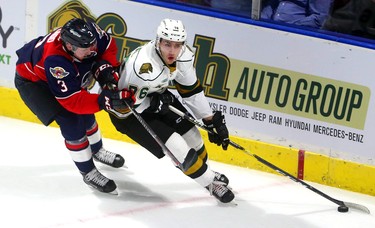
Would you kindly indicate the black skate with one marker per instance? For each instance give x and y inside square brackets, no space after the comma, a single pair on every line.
[109,158]
[221,177]
[220,191]
[98,181]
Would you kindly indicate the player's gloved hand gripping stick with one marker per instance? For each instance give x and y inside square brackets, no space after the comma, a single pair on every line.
[105,75]
[343,206]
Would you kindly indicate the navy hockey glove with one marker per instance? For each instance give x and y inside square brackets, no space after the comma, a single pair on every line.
[105,75]
[218,126]
[114,101]
[159,103]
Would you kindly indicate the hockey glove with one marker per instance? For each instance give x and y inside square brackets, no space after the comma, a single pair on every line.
[220,135]
[159,103]
[115,102]
[105,75]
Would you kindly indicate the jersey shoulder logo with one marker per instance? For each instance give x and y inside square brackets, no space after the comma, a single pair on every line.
[58,72]
[145,68]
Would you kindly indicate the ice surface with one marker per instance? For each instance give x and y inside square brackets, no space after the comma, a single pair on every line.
[41,187]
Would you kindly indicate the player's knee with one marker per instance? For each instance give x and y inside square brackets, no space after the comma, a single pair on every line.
[177,145]
[193,165]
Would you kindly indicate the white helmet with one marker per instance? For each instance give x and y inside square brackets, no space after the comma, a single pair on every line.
[172,30]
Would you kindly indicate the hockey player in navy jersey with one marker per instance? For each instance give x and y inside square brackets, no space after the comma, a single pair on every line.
[148,71]
[53,75]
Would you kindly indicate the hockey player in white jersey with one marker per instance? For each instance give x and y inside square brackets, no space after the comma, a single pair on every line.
[148,71]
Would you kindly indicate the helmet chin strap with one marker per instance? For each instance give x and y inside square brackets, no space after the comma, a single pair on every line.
[160,55]
[157,45]
[72,52]
[181,51]
[67,49]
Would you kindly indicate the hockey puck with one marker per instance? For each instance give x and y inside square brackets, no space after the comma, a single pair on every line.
[342,208]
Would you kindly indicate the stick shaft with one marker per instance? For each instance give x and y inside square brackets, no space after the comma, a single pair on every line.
[156,137]
[272,166]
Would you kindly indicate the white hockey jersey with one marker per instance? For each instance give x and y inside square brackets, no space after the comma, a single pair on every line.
[144,72]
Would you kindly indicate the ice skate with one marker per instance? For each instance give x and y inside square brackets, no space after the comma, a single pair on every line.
[98,181]
[221,177]
[109,158]
[220,191]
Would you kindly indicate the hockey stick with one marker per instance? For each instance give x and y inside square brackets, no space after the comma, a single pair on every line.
[343,206]
[157,139]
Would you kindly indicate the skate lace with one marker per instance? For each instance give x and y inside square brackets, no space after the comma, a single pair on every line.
[218,176]
[218,188]
[105,156]
[221,177]
[96,177]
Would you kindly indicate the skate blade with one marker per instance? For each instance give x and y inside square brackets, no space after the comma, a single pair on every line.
[114,192]
[232,203]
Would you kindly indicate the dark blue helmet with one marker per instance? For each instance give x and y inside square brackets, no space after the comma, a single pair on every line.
[78,33]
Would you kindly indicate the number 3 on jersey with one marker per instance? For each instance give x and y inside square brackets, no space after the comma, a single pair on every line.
[62,85]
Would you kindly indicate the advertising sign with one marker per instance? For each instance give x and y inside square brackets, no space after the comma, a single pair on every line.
[273,86]
[12,34]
